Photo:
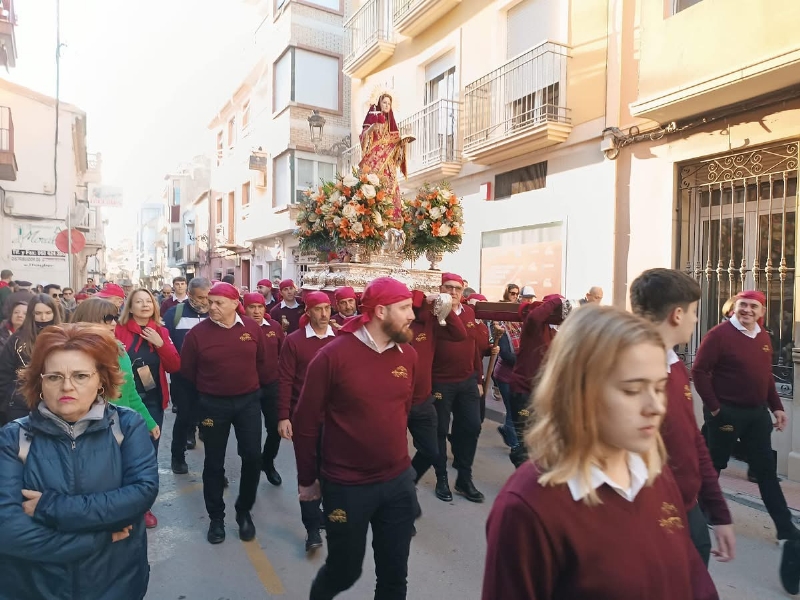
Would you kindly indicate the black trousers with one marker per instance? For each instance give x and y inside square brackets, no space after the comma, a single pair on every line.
[698,530]
[461,400]
[218,414]
[184,398]
[350,510]
[269,408]
[423,423]
[754,427]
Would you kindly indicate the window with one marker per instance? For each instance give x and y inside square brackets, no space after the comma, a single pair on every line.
[246,115]
[220,144]
[176,193]
[218,274]
[679,5]
[246,193]
[218,218]
[440,79]
[307,78]
[231,132]
[525,179]
[310,173]
[231,216]
[532,22]
[282,176]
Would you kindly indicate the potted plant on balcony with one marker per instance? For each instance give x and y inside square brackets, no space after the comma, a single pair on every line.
[433,223]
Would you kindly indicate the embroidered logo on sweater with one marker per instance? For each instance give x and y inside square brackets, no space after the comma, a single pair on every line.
[271,334]
[207,423]
[421,338]
[687,392]
[671,520]
[524,413]
[437,395]
[765,348]
[727,428]
[337,516]
[245,337]
[471,324]
[400,372]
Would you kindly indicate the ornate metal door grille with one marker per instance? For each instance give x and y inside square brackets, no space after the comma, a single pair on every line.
[736,226]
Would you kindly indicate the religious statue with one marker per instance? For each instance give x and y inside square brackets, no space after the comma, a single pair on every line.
[383,149]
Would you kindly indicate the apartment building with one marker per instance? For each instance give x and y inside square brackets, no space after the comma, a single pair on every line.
[266,152]
[152,247]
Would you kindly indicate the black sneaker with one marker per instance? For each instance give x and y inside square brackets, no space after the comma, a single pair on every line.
[790,567]
[191,442]
[518,455]
[179,467]
[466,488]
[442,490]
[313,540]
[174,409]
[272,475]
[789,534]
[247,530]
[216,531]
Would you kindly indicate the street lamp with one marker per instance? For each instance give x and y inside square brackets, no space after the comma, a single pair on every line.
[316,123]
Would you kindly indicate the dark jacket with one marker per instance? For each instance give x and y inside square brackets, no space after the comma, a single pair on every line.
[92,486]
[5,332]
[14,355]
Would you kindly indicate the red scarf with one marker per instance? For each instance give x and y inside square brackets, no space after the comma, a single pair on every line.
[136,329]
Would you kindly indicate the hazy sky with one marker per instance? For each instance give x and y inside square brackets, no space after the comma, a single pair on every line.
[149,75]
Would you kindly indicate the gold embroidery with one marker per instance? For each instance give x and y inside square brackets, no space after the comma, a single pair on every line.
[437,395]
[765,348]
[245,337]
[400,372]
[421,337]
[727,428]
[524,413]
[207,423]
[471,324]
[671,520]
[337,516]
[687,391]
[270,334]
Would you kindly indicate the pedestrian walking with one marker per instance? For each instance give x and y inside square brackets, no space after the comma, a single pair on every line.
[289,310]
[11,325]
[346,304]
[364,475]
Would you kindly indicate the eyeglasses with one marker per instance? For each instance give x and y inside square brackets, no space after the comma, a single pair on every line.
[107,319]
[453,288]
[513,293]
[79,379]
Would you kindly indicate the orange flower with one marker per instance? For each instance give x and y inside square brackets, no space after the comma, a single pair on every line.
[380,195]
[344,222]
[346,191]
[453,200]
[364,179]
[449,213]
[435,228]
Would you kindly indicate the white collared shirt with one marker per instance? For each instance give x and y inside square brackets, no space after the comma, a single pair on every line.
[238,320]
[751,334]
[284,305]
[365,336]
[637,469]
[311,333]
[672,358]
[458,309]
[264,322]
[174,297]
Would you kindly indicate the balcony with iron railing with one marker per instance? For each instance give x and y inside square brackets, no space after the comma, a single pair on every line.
[369,38]
[8,160]
[435,154]
[518,108]
[412,17]
[8,38]
[349,159]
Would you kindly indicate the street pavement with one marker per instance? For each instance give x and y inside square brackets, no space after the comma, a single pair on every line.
[446,555]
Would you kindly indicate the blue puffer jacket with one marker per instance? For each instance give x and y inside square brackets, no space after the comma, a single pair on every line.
[91,486]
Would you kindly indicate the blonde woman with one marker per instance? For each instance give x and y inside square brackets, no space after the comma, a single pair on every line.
[596,512]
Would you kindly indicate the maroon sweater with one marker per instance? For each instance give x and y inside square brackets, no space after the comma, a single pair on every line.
[732,368]
[688,454]
[341,320]
[544,545]
[274,336]
[427,330]
[225,362]
[360,400]
[296,353]
[457,361]
[534,341]
[292,315]
[482,347]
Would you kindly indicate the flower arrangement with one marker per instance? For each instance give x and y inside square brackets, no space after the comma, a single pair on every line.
[433,221]
[354,209]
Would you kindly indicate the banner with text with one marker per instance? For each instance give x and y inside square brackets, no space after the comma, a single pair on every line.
[105,195]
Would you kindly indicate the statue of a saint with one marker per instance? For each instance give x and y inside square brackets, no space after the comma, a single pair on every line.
[383,150]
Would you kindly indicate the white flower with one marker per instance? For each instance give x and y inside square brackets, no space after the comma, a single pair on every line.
[444,230]
[445,193]
[349,211]
[376,216]
[350,181]
[337,220]
[426,204]
[335,196]
[357,227]
[313,217]
[436,212]
[373,179]
[368,191]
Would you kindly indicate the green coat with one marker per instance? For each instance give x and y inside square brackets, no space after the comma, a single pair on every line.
[129,396]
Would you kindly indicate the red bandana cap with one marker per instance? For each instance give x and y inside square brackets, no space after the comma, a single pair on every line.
[552,297]
[112,290]
[254,298]
[344,293]
[226,290]
[473,298]
[81,296]
[311,300]
[753,295]
[286,283]
[383,291]
[452,277]
[265,283]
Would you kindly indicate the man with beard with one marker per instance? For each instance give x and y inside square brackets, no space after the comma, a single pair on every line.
[297,352]
[256,309]
[264,287]
[289,311]
[357,395]
[179,320]
[345,298]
